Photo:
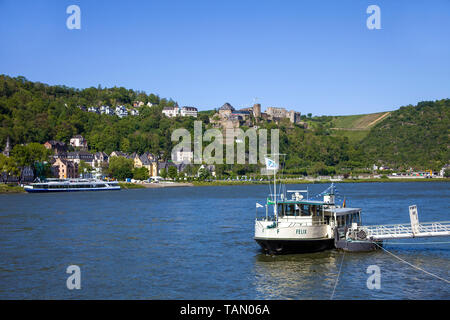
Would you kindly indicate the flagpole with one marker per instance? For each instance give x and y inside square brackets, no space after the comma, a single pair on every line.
[275,193]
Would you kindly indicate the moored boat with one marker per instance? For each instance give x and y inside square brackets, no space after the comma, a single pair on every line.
[70,185]
[294,223]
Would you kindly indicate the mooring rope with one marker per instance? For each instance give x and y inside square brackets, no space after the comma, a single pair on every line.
[446,242]
[339,273]
[410,264]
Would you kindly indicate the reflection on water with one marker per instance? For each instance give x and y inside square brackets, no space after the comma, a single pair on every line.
[313,276]
[296,276]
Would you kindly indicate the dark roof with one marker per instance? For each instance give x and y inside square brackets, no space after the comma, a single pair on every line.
[79,154]
[227,106]
[241,112]
[121,154]
[189,108]
[144,159]
[56,143]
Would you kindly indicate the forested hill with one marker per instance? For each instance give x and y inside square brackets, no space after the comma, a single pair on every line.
[36,112]
[412,136]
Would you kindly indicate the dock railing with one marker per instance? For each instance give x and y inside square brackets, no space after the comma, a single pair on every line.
[398,231]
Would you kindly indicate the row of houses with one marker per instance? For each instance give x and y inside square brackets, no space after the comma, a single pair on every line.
[66,164]
[120,111]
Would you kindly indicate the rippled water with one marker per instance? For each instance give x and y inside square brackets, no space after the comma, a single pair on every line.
[197,243]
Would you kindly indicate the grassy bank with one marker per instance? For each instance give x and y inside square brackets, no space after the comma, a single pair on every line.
[126,185]
[296,181]
[4,188]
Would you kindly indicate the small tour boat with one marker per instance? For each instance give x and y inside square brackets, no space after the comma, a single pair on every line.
[69,185]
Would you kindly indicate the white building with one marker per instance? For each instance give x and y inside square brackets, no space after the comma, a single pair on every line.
[189,112]
[442,172]
[121,111]
[183,156]
[93,109]
[134,112]
[171,112]
[78,141]
[106,110]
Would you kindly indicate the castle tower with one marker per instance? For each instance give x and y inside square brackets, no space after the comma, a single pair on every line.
[257,110]
[294,116]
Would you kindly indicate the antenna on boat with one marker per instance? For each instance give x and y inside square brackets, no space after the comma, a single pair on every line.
[271,164]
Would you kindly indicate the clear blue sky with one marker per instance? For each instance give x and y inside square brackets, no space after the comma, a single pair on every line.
[310,56]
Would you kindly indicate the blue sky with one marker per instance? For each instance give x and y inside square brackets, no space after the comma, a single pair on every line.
[310,56]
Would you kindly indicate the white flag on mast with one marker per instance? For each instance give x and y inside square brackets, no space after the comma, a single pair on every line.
[270,164]
[259,205]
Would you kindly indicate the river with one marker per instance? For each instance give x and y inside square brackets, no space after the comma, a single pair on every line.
[197,243]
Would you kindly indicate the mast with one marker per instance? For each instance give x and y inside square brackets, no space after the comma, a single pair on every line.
[275,194]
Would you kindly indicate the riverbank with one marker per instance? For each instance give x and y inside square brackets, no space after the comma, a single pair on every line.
[304,181]
[4,188]
[128,185]
[7,189]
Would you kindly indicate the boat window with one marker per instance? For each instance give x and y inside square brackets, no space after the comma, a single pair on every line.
[281,210]
[305,210]
[292,210]
[316,211]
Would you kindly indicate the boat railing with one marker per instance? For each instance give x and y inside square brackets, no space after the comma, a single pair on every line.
[305,223]
[398,229]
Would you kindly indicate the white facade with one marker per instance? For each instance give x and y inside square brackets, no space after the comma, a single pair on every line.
[189,112]
[106,110]
[184,156]
[121,111]
[78,141]
[93,109]
[171,112]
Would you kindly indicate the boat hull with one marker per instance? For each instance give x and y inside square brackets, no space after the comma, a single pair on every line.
[282,246]
[30,190]
[357,246]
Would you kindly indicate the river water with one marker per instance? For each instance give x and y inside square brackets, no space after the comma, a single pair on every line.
[197,243]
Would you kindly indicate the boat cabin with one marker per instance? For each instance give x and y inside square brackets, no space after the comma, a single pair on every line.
[316,212]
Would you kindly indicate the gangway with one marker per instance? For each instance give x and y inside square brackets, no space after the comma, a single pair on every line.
[403,231]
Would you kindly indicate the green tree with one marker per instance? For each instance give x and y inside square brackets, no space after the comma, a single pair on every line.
[203,174]
[8,166]
[84,167]
[172,172]
[163,173]
[27,155]
[120,168]
[447,173]
[140,173]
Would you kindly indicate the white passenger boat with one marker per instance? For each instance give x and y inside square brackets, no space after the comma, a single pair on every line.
[69,185]
[294,223]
